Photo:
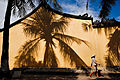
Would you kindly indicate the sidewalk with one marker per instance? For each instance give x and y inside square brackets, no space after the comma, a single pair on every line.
[59,74]
[106,75]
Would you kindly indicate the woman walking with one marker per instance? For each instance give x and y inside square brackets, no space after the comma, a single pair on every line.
[94,66]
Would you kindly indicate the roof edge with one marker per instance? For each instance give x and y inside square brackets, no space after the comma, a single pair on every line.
[83,17]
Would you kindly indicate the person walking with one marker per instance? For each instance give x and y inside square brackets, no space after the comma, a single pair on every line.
[94,66]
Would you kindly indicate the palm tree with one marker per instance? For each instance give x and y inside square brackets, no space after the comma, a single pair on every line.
[18,7]
[46,26]
[105,5]
[12,5]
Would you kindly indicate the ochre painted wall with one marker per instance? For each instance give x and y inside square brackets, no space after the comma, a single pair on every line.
[97,42]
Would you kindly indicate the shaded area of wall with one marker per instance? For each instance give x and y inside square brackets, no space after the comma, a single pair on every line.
[113,57]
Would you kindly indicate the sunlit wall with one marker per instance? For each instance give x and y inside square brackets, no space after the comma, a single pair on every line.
[97,43]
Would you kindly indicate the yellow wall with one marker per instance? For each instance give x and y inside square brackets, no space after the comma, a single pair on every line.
[97,42]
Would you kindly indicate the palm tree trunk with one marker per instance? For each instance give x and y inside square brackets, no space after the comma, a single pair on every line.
[45,63]
[5,48]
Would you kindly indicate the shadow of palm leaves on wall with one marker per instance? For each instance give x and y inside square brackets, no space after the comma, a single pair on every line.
[113,58]
[45,25]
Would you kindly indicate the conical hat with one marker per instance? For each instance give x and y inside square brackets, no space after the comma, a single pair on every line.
[92,56]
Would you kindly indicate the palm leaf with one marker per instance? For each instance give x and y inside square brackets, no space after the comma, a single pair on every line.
[109,61]
[106,7]
[108,30]
[59,25]
[26,51]
[70,39]
[44,16]
[86,27]
[114,43]
[32,29]
[55,4]
[20,7]
[38,21]
[66,50]
[113,48]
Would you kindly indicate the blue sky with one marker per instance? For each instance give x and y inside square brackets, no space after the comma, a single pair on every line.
[116,10]
[75,7]
[78,7]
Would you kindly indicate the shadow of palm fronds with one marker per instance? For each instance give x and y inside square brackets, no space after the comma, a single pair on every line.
[46,26]
[25,58]
[113,58]
[106,24]
[87,27]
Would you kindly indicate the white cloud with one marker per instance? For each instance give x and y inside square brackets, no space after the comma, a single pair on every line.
[118,17]
[3,5]
[79,9]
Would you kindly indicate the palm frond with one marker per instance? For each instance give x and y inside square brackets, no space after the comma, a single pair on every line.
[106,7]
[108,30]
[114,43]
[99,30]
[109,61]
[32,29]
[44,16]
[113,47]
[50,59]
[30,21]
[66,50]
[31,3]
[26,51]
[39,22]
[43,19]
[86,27]
[20,6]
[70,39]
[56,5]
[59,25]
